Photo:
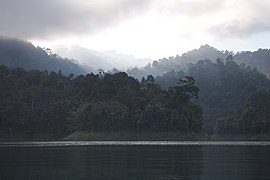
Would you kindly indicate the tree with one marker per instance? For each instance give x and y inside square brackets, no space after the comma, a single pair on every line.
[150,79]
[182,94]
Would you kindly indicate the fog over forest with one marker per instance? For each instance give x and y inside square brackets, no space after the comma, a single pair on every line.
[202,90]
[202,65]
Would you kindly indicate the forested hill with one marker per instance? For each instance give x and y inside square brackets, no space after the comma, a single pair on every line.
[33,102]
[234,94]
[235,98]
[17,53]
[258,59]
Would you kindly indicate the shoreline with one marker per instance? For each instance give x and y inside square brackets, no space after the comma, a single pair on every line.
[161,136]
[133,136]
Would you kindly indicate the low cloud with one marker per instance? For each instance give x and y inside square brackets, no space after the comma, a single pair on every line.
[49,19]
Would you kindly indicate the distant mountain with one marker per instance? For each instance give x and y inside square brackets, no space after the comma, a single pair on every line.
[105,60]
[258,59]
[18,53]
[85,56]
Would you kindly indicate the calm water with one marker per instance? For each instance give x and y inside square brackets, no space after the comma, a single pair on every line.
[135,160]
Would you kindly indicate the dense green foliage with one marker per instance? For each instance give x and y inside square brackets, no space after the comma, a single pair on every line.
[235,98]
[257,59]
[233,95]
[17,53]
[36,101]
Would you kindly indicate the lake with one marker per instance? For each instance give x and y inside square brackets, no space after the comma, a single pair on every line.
[188,160]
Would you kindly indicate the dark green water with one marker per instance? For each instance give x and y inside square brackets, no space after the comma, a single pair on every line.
[187,162]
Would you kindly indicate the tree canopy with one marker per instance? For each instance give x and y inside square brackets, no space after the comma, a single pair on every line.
[48,102]
[234,98]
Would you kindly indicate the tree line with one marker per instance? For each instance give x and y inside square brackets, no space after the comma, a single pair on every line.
[35,101]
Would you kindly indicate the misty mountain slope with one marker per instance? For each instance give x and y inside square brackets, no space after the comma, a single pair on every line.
[258,59]
[204,52]
[227,92]
[229,86]
[105,60]
[162,66]
[85,56]
[17,53]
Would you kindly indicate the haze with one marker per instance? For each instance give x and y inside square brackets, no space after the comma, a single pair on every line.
[143,28]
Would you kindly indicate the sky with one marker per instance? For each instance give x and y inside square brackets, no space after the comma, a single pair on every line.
[143,28]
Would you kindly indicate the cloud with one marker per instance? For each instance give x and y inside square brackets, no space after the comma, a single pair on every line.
[44,19]
[220,19]
[243,19]
[191,8]
[56,19]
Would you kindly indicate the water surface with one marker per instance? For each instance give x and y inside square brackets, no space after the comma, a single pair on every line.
[135,160]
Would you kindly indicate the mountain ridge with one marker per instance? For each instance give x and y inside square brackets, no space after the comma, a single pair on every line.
[105,60]
[259,59]
[18,53]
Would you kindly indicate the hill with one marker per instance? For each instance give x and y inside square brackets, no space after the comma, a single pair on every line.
[258,59]
[235,99]
[17,53]
[234,88]
[106,60]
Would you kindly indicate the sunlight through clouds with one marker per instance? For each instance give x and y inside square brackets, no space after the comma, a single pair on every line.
[144,28]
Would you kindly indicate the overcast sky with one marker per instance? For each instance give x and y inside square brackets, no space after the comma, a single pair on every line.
[145,28]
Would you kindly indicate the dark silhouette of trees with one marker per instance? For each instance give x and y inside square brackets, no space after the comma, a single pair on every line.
[34,102]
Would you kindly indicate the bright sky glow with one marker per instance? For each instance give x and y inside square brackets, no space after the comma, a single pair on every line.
[145,28]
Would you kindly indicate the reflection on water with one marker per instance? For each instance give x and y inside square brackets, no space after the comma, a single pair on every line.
[233,162]
[236,162]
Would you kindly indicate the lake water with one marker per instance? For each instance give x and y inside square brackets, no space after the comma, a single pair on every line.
[135,160]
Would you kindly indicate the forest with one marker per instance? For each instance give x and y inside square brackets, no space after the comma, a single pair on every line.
[235,99]
[234,87]
[223,93]
[36,101]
